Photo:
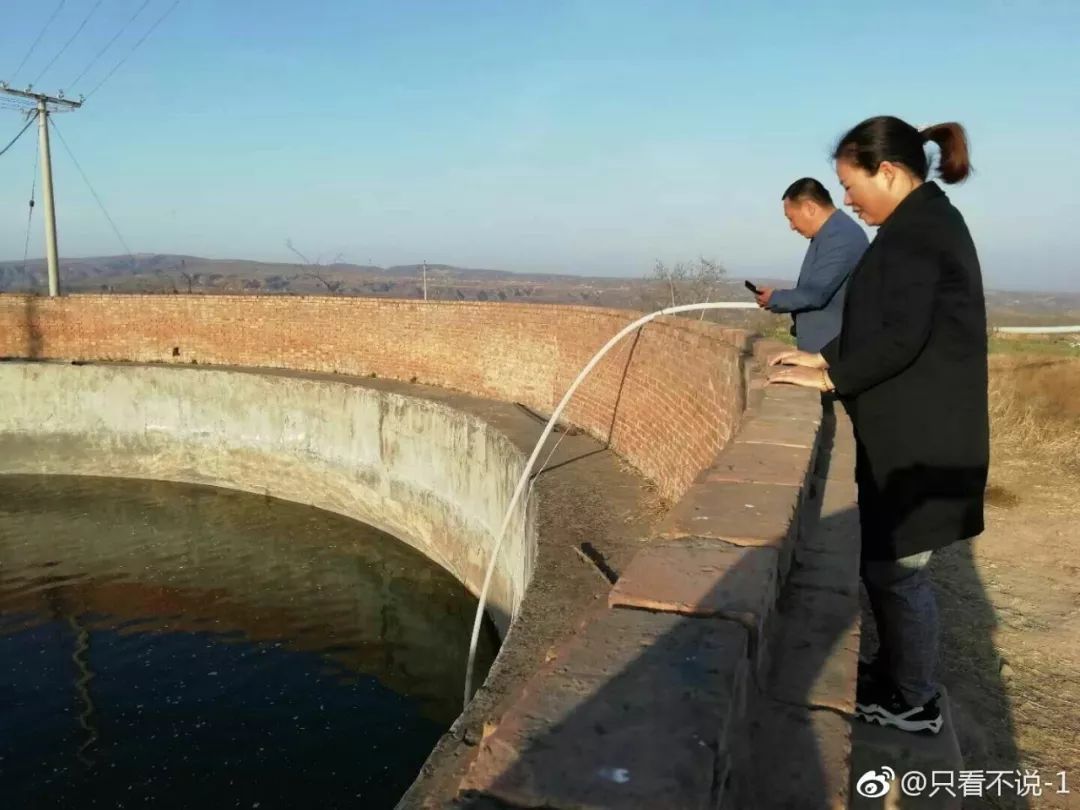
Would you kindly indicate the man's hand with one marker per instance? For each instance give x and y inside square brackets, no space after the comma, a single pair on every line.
[797,358]
[763,296]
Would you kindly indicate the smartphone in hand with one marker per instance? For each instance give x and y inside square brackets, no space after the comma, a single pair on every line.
[750,286]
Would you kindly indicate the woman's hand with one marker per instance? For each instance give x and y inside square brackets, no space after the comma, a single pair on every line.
[797,358]
[816,378]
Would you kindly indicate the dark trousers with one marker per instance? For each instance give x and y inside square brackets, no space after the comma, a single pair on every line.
[905,611]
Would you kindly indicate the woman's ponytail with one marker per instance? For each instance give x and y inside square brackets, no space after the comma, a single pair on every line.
[954,165]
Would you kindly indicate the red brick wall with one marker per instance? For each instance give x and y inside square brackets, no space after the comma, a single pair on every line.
[680,402]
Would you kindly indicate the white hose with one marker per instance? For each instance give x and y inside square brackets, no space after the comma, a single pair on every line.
[482,603]
[1037,330]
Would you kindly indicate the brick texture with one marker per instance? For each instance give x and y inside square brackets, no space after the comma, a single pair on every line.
[666,401]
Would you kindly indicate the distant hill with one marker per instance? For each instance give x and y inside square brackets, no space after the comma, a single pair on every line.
[145,264]
[1033,309]
[169,273]
[163,272]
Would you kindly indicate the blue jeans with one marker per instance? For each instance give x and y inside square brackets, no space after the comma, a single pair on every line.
[905,611]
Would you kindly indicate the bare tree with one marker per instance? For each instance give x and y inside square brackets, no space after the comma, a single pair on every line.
[706,281]
[191,279]
[684,283]
[167,281]
[232,284]
[338,257]
[313,271]
[305,259]
[331,285]
[670,278]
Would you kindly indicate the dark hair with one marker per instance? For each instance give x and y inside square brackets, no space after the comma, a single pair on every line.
[886,137]
[807,188]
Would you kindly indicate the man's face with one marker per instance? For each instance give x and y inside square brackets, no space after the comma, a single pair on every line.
[799,215]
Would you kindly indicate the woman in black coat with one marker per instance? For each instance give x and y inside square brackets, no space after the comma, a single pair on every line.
[910,367]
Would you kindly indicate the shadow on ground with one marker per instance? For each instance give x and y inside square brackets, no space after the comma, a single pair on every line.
[970,670]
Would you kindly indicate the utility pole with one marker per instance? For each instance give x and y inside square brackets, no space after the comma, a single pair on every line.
[425,279]
[43,113]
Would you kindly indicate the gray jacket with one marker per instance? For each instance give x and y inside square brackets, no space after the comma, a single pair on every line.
[817,301]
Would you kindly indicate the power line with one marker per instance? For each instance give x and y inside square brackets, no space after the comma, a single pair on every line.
[86,180]
[110,43]
[78,31]
[30,214]
[41,33]
[135,47]
[12,142]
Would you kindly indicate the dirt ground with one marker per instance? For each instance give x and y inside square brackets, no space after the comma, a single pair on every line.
[1010,599]
[1010,610]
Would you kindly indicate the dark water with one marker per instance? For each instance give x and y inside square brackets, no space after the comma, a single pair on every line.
[164,645]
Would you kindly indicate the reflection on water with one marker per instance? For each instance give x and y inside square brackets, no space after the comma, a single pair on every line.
[168,645]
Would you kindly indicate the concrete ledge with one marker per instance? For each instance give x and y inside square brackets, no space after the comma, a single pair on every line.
[789,402]
[776,430]
[702,578]
[791,758]
[635,712]
[762,463]
[797,735]
[816,650]
[828,569]
[739,513]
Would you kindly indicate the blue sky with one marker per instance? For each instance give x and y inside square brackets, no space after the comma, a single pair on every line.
[585,137]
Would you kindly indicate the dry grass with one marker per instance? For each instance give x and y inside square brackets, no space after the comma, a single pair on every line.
[1035,409]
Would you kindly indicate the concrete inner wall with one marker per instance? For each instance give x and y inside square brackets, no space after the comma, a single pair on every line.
[438,478]
[667,401]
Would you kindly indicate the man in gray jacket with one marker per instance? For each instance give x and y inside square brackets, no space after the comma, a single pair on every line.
[836,245]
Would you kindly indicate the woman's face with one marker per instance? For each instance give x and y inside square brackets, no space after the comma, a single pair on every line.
[873,197]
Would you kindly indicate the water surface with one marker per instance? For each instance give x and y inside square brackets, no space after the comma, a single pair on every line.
[166,645]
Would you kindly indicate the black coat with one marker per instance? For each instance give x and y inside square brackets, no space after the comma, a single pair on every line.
[910,367]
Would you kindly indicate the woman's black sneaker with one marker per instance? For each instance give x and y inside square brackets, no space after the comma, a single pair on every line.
[872,673]
[884,705]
